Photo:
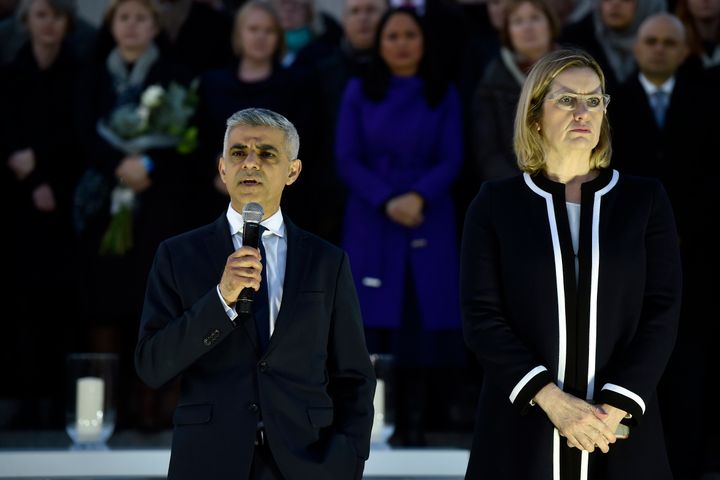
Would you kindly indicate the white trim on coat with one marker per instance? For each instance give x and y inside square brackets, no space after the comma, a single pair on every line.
[594,280]
[627,393]
[560,287]
[524,381]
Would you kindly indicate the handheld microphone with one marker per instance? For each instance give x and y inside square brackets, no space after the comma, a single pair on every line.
[252,215]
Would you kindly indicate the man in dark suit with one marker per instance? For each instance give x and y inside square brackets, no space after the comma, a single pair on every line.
[284,394]
[663,122]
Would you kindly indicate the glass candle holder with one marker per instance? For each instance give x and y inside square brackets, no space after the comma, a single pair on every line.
[90,400]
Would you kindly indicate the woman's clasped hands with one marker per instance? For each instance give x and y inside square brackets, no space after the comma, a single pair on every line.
[585,426]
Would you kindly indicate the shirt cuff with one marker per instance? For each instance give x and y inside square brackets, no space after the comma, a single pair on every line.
[230,311]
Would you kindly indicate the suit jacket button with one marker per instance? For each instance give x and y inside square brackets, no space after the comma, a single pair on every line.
[263,366]
[207,341]
[253,407]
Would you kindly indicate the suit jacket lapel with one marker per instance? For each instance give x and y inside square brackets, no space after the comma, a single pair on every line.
[219,246]
[298,258]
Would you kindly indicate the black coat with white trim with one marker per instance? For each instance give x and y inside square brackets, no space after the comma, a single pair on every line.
[605,336]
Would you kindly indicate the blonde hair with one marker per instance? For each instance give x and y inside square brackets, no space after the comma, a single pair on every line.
[241,17]
[528,142]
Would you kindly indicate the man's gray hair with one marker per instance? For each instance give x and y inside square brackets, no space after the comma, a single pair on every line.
[260,117]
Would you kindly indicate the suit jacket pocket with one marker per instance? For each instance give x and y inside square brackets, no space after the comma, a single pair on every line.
[320,417]
[192,414]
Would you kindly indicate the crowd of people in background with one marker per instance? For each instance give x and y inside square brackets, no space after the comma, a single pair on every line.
[402,117]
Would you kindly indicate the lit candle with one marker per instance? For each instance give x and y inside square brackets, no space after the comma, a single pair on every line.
[379,404]
[89,408]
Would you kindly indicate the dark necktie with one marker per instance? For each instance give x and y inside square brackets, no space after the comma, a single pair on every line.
[261,304]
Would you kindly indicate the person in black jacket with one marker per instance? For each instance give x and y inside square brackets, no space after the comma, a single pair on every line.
[286,390]
[41,163]
[665,116]
[570,289]
[154,175]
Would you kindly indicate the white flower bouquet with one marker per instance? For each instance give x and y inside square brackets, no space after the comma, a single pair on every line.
[161,119]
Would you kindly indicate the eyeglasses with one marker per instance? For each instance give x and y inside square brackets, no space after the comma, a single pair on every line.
[569,101]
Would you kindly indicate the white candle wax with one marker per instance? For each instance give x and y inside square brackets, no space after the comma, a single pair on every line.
[379,404]
[89,408]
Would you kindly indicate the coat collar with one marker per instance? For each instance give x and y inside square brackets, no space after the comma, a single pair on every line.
[604,179]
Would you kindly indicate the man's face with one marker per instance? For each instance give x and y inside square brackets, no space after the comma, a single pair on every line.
[256,167]
[660,47]
[618,14]
[360,21]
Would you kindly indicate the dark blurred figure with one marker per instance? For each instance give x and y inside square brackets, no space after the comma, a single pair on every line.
[41,164]
[712,79]
[662,119]
[702,22]
[13,34]
[399,151]
[446,25]
[194,34]
[7,8]
[156,176]
[529,31]
[608,33]
[350,59]
[484,20]
[310,35]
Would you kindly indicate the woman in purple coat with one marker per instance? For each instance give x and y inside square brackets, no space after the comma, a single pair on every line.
[399,150]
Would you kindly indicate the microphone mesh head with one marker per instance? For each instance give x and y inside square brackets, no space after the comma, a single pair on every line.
[253,212]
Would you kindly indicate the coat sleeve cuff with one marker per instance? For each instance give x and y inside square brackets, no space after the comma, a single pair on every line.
[528,387]
[621,397]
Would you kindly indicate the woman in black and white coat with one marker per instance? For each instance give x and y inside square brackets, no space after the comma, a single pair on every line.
[570,290]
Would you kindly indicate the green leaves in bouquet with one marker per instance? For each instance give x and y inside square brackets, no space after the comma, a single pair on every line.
[127,122]
[188,141]
[162,117]
[118,238]
[172,116]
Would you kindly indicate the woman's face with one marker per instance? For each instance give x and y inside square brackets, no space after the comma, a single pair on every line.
[529,31]
[566,129]
[257,35]
[401,44]
[45,25]
[133,26]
